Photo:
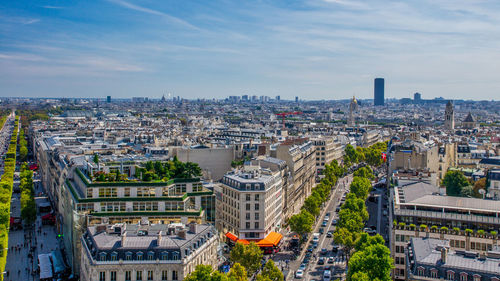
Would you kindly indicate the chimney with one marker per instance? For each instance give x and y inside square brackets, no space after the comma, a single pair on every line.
[192,228]
[444,254]
[181,233]
[124,237]
[159,238]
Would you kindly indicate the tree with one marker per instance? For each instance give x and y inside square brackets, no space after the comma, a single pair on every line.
[96,158]
[374,261]
[270,272]
[364,172]
[301,222]
[454,181]
[237,273]
[351,154]
[23,153]
[201,273]
[467,191]
[249,256]
[478,185]
[364,240]
[344,237]
[360,187]
[311,204]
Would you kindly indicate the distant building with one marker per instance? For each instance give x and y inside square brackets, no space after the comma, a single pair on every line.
[379,91]
[449,116]
[296,99]
[108,99]
[417,97]
[353,106]
[244,97]
[278,98]
[469,122]
[146,252]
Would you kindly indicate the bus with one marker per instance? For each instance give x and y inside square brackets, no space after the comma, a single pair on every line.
[45,267]
[60,268]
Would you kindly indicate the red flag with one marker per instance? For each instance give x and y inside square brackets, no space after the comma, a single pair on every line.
[384,156]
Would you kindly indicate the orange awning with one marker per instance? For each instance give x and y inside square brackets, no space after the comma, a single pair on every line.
[243,241]
[231,236]
[272,239]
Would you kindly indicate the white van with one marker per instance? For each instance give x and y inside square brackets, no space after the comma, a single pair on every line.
[327,275]
[316,237]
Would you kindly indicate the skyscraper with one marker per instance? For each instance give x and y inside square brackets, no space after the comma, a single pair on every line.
[108,99]
[296,99]
[417,97]
[378,98]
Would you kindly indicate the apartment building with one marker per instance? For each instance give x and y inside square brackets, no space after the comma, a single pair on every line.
[420,211]
[431,259]
[125,252]
[327,150]
[300,156]
[250,204]
[494,188]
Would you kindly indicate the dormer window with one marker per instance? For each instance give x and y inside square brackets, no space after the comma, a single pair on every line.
[128,256]
[114,256]
[175,256]
[164,256]
[102,256]
[151,256]
[140,256]
[421,271]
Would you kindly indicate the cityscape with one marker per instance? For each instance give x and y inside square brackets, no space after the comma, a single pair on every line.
[218,141]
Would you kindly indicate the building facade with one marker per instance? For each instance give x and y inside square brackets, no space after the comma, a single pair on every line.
[124,252]
[378,98]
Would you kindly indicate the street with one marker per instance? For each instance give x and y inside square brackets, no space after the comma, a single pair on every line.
[312,254]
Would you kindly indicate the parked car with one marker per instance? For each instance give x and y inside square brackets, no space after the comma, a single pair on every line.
[324,223]
[334,222]
[329,234]
[324,251]
[321,261]
[299,274]
[321,230]
[331,259]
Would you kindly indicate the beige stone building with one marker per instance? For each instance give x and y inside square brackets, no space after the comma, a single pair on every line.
[146,252]
[327,150]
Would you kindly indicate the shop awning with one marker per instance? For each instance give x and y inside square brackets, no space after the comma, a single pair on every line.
[243,241]
[231,236]
[272,239]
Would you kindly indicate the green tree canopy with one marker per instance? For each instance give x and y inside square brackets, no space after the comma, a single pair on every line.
[311,204]
[364,172]
[270,272]
[301,223]
[238,273]
[361,187]
[364,240]
[344,237]
[454,181]
[249,256]
[374,261]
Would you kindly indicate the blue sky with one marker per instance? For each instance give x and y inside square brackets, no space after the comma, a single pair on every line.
[317,49]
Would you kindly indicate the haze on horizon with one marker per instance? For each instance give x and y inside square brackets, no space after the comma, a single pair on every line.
[318,49]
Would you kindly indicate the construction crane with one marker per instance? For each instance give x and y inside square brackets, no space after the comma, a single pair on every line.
[285,114]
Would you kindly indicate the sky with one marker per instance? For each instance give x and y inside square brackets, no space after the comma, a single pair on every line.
[314,49]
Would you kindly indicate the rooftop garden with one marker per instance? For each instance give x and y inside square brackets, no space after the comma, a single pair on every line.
[152,171]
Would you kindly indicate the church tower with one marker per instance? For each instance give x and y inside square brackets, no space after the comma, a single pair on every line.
[449,117]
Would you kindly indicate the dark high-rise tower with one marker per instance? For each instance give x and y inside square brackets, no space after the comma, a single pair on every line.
[378,98]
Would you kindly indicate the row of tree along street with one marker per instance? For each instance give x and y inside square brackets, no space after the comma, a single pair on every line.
[368,257]
[6,187]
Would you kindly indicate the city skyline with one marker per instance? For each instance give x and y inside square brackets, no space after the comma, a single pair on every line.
[315,50]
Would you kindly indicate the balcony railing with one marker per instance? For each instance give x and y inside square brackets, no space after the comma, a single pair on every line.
[447,216]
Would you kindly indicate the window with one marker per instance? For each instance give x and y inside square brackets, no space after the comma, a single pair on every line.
[421,271]
[126,192]
[248,207]
[164,256]
[434,273]
[164,275]
[477,277]
[463,276]
[107,192]
[256,224]
[128,256]
[128,276]
[256,216]
[102,276]
[257,197]
[247,197]
[151,256]
[450,275]
[174,275]
[247,225]
[256,207]
[139,256]
[114,256]
[150,275]
[90,192]
[138,275]
[247,216]
[102,256]
[113,276]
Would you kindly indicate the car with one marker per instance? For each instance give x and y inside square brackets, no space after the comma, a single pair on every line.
[310,249]
[299,274]
[334,222]
[303,266]
[308,255]
[335,248]
[321,261]
[329,234]
[321,230]
[331,259]
[324,251]
[306,260]
[337,209]
[327,274]
[324,223]
[327,214]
